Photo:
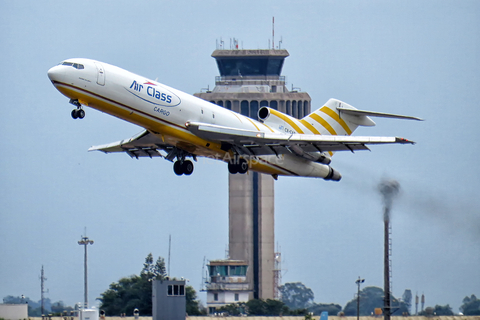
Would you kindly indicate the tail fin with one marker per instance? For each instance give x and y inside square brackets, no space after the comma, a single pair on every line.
[330,120]
[334,118]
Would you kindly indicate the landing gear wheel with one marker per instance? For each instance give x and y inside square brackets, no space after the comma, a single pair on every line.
[242,166]
[177,168]
[232,168]
[78,113]
[187,167]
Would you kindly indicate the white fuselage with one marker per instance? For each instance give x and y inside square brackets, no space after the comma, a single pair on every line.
[166,111]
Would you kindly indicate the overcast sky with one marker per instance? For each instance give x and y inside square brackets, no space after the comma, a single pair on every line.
[418,58]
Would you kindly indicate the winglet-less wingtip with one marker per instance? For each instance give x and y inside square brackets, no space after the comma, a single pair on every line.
[403,140]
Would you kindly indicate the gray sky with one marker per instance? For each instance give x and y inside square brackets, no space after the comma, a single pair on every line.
[418,58]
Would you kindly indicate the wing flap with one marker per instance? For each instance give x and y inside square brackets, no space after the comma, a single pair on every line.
[261,143]
[144,144]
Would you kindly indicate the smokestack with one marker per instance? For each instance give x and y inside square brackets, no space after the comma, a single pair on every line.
[389,189]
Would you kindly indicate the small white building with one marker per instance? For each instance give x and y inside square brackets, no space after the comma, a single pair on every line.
[14,311]
[89,314]
[227,283]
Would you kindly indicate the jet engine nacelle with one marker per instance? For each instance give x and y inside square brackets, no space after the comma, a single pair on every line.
[277,120]
[319,157]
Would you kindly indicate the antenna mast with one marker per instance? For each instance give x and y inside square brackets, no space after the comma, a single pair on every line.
[169,247]
[42,286]
[273,33]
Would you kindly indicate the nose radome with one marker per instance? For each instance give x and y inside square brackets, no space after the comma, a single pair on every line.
[55,73]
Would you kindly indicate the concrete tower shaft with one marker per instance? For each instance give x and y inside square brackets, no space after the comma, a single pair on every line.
[249,80]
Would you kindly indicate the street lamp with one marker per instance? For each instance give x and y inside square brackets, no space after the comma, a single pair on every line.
[85,242]
[358,281]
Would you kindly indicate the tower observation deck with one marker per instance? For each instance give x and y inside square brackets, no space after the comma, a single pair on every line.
[249,80]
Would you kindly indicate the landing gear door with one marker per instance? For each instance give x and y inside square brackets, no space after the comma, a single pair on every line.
[100,74]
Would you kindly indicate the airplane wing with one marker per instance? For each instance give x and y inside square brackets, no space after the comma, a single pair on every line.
[144,144]
[261,143]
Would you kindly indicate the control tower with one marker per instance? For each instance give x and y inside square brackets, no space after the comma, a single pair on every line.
[249,80]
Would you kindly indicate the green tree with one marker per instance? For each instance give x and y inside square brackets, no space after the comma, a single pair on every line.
[332,309]
[296,295]
[371,298]
[134,291]
[194,307]
[275,307]
[470,306]
[233,309]
[256,307]
[260,307]
[152,271]
[407,299]
[443,310]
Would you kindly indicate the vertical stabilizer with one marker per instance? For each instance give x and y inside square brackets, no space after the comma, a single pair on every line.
[328,121]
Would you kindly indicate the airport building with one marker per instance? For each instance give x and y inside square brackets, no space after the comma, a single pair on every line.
[249,80]
[227,283]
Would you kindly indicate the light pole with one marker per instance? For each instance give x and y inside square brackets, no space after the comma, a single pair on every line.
[85,242]
[358,296]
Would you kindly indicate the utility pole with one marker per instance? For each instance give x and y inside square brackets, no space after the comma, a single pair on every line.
[85,242]
[358,282]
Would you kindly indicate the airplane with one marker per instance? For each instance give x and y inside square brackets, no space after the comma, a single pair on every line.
[178,126]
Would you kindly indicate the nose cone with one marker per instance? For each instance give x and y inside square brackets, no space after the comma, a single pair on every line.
[56,73]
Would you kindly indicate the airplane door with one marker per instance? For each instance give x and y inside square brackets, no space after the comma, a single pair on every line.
[100,74]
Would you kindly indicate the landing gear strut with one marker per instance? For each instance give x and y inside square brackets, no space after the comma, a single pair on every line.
[238,165]
[78,113]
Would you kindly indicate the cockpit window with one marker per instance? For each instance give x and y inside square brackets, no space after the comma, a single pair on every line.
[75,65]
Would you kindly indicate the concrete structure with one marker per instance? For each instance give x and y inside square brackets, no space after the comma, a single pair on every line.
[89,314]
[14,311]
[250,79]
[168,300]
[227,283]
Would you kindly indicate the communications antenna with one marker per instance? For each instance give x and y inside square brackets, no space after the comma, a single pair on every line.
[169,247]
[277,274]
[204,278]
[273,33]
[416,303]
[42,286]
[423,301]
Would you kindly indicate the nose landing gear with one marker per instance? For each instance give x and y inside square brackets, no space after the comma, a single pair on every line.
[78,113]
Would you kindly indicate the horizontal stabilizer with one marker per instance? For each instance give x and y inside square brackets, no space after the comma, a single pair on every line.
[360,113]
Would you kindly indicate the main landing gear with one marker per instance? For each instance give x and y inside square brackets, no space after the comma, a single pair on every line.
[183,167]
[239,165]
[180,166]
[78,113]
